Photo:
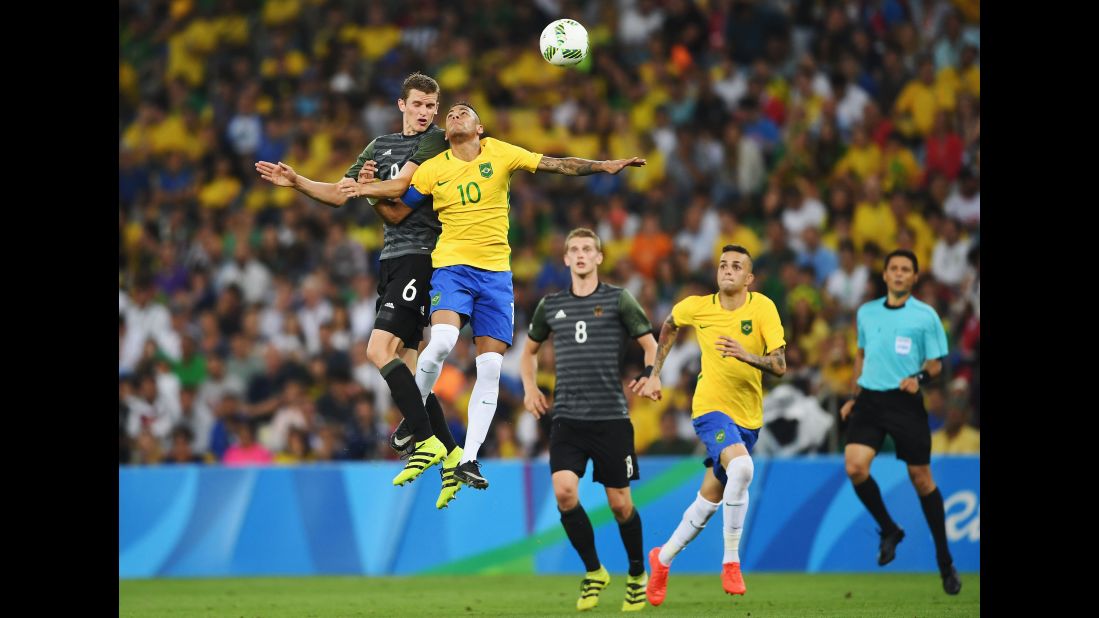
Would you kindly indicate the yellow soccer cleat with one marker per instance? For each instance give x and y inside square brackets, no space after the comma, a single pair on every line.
[450,484]
[428,453]
[594,582]
[635,593]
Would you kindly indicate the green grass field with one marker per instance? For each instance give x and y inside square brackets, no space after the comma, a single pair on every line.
[543,595]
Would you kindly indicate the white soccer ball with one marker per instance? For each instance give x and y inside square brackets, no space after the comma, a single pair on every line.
[564,43]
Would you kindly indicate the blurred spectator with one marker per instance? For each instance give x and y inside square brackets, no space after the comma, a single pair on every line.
[957,437]
[670,442]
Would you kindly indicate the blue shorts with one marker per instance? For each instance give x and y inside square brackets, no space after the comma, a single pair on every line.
[718,431]
[486,296]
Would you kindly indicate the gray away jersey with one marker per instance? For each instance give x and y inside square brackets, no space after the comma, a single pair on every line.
[419,231]
[589,340]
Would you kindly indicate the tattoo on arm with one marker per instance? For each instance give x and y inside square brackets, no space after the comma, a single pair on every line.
[669,332]
[773,363]
[569,166]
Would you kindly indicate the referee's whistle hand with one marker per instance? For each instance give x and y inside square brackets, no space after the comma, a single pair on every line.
[910,385]
[845,411]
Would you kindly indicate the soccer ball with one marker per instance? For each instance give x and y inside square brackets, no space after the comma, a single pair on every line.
[564,43]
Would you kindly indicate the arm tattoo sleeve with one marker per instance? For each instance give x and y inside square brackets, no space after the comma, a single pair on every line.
[569,166]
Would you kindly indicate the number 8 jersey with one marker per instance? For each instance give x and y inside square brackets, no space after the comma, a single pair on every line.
[589,341]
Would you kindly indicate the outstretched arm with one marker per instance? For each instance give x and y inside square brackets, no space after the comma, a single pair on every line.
[282,175]
[572,166]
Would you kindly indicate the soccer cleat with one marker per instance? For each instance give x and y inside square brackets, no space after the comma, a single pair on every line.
[952,584]
[401,440]
[470,474]
[594,582]
[428,453]
[635,593]
[731,579]
[658,584]
[887,549]
[450,484]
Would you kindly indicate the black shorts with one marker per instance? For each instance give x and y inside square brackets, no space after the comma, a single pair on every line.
[403,286]
[609,444]
[896,413]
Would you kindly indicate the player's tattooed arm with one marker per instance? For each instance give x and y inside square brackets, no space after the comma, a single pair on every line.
[774,362]
[572,166]
[669,332]
[651,388]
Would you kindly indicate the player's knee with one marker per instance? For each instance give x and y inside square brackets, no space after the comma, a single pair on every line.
[488,367]
[740,471]
[378,351]
[566,498]
[622,509]
[857,471]
[443,339]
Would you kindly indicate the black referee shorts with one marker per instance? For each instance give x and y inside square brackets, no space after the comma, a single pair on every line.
[609,444]
[403,286]
[897,413]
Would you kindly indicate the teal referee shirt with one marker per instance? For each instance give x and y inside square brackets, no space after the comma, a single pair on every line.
[897,341]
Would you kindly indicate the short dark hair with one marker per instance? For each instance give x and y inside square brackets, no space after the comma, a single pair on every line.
[466,104]
[905,253]
[418,81]
[739,249]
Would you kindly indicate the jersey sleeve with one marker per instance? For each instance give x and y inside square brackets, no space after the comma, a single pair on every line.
[774,336]
[366,155]
[431,145]
[419,188]
[633,315]
[934,338]
[539,329]
[423,178]
[683,312]
[518,158]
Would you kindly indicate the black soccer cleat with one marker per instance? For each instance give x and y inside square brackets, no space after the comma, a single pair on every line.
[887,549]
[952,584]
[470,474]
[401,440]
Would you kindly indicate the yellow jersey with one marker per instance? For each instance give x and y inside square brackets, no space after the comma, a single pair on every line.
[471,198]
[726,384]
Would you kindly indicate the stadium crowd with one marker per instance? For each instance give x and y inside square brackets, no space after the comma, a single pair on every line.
[819,135]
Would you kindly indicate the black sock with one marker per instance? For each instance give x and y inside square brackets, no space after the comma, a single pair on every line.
[630,530]
[868,492]
[438,423]
[581,535]
[407,395]
[935,514]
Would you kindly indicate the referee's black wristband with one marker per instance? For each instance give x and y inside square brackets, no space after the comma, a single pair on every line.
[921,377]
[647,372]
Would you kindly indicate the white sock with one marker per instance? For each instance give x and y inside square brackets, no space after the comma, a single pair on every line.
[740,471]
[482,402]
[694,520]
[443,338]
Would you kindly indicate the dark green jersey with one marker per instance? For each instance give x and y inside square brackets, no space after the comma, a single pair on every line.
[418,232]
[589,340]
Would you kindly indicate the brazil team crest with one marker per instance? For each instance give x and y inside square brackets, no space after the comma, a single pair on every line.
[486,169]
[435,299]
[720,436]
[746,327]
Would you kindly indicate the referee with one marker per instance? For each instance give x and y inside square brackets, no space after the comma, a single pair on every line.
[901,342]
